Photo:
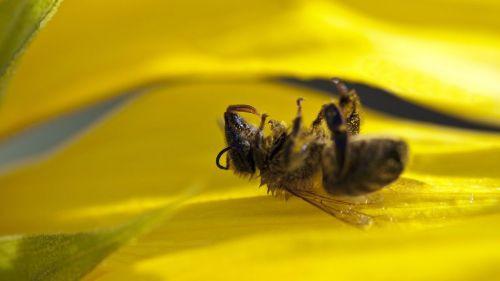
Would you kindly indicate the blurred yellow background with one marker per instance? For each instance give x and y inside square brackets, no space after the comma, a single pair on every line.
[184,62]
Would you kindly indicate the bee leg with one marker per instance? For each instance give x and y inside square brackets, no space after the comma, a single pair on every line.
[339,135]
[350,106]
[263,118]
[290,155]
[297,122]
[260,152]
[334,156]
[319,118]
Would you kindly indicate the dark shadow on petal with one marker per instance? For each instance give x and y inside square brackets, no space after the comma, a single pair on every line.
[391,104]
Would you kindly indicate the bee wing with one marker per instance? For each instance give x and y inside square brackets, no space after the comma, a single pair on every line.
[341,210]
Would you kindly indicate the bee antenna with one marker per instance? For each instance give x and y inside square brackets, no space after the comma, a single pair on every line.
[217,159]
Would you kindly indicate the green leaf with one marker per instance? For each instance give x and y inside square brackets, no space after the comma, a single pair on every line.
[69,256]
[19,21]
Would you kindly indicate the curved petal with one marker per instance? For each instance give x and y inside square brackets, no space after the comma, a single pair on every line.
[461,252]
[92,50]
[168,138]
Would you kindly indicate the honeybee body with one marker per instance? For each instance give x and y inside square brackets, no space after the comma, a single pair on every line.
[307,162]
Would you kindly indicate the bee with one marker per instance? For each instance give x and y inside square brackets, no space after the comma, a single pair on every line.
[318,164]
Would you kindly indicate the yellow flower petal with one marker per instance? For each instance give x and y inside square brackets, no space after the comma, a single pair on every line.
[437,222]
[287,251]
[166,140]
[92,50]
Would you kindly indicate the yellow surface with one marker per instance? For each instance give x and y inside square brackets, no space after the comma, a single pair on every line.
[92,49]
[439,221]
[285,253]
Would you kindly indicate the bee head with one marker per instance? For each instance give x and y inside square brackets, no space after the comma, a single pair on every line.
[241,138]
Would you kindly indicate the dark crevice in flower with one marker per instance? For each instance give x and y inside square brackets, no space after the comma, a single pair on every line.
[388,103]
